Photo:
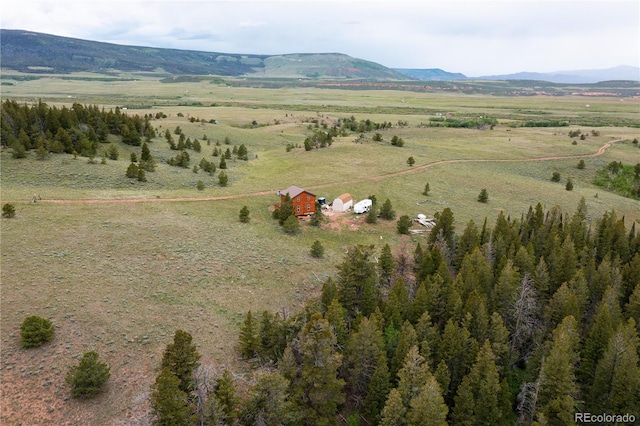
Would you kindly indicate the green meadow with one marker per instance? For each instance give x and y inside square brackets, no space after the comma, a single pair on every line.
[121,277]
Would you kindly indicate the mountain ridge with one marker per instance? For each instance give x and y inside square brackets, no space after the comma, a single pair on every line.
[33,52]
[38,53]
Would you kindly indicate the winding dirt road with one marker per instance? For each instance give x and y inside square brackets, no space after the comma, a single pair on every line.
[407,171]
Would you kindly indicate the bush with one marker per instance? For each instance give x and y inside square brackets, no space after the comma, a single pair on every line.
[555,177]
[580,165]
[8,210]
[244,214]
[35,331]
[200,185]
[569,185]
[86,379]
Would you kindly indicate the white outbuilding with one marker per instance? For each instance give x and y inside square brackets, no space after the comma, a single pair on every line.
[342,203]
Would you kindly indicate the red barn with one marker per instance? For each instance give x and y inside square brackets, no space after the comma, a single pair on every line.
[304,202]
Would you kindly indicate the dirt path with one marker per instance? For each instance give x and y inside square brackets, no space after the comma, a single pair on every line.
[407,171]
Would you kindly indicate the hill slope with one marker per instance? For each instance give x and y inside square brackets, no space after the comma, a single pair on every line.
[32,52]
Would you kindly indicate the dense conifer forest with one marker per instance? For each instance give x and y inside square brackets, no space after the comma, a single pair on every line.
[528,321]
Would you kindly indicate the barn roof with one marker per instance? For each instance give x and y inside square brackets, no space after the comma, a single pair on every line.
[294,191]
[346,197]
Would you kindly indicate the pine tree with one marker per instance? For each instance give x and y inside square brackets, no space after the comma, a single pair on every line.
[558,389]
[181,358]
[317,250]
[419,304]
[132,171]
[469,240]
[223,179]
[225,394]
[357,281]
[477,400]
[484,196]
[386,211]
[268,402]
[428,407]
[379,387]
[320,388]
[458,350]
[616,383]
[249,343]
[403,225]
[87,378]
[169,402]
[427,189]
[336,315]
[406,340]
[396,309]
[316,218]
[386,265]
[291,225]
[145,153]
[444,228]
[394,412]
[603,326]
[412,376]
[362,353]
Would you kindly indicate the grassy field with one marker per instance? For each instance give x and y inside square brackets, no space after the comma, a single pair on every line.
[120,278]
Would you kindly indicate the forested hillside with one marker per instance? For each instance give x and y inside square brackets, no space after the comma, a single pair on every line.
[528,321]
[36,53]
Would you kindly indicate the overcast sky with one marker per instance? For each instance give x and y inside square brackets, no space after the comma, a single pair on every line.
[472,37]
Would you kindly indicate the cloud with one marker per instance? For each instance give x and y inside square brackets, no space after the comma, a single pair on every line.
[475,38]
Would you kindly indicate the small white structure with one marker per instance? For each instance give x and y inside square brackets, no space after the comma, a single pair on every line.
[342,203]
[362,206]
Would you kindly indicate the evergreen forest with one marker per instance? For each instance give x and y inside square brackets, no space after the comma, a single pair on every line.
[528,321]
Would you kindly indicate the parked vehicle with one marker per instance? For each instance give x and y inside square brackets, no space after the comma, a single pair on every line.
[362,206]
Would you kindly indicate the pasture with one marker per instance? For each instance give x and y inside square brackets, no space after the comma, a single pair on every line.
[121,277]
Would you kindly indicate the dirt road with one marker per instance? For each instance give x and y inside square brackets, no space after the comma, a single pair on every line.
[407,171]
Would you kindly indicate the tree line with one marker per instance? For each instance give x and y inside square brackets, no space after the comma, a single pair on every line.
[78,129]
[527,322]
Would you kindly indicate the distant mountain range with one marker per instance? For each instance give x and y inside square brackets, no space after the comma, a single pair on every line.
[622,72]
[37,53]
[32,52]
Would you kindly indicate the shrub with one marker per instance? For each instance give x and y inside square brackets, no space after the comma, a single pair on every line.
[8,210]
[200,185]
[244,215]
[35,331]
[580,165]
[555,177]
[569,185]
[86,379]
